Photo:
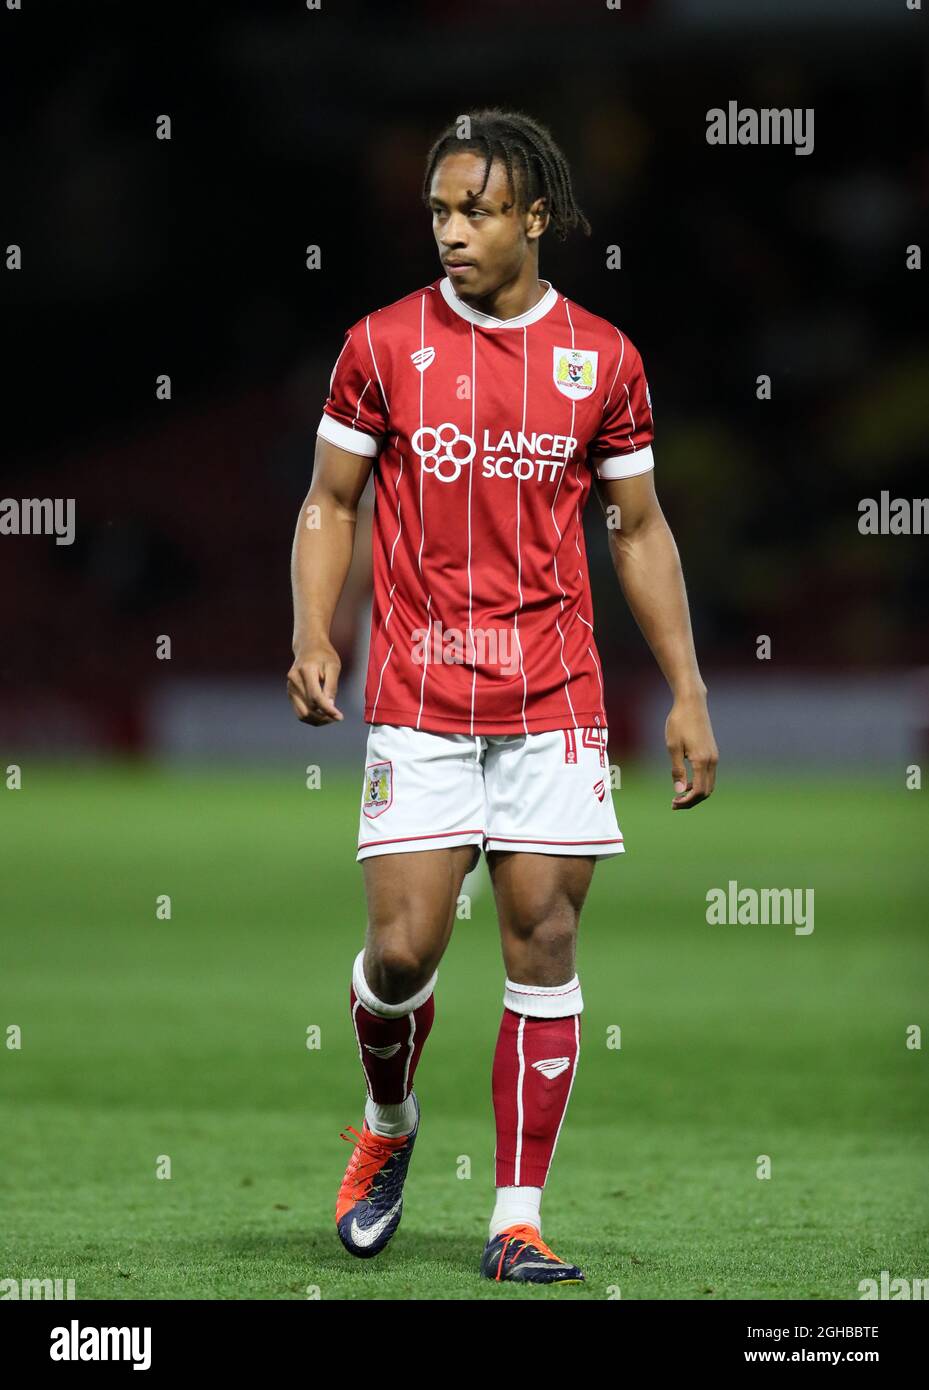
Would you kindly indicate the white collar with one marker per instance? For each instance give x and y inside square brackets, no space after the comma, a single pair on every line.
[532,315]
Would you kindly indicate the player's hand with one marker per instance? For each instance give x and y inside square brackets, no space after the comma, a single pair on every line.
[689,735]
[312,682]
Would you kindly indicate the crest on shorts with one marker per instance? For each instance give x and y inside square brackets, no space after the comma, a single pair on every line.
[379,789]
[574,371]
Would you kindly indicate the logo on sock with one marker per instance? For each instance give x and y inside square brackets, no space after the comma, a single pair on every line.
[550,1067]
[384,1052]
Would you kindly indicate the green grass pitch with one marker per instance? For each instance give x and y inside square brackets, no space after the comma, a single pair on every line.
[187,1038]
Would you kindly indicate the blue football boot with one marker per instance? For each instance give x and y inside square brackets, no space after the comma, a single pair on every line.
[370,1201]
[520,1255]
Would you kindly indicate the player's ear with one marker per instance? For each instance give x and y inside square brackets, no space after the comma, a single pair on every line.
[536,218]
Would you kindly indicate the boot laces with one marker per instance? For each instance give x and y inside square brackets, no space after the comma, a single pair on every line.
[528,1235]
[368,1158]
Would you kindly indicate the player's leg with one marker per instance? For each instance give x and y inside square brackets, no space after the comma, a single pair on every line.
[549,818]
[539,899]
[420,830]
[421,825]
[411,912]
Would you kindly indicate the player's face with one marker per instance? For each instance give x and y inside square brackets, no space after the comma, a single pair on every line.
[483,241]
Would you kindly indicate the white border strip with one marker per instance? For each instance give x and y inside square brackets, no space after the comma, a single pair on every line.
[353,441]
[626,465]
[538,311]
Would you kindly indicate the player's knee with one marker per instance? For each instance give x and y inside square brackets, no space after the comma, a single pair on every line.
[551,927]
[554,940]
[397,970]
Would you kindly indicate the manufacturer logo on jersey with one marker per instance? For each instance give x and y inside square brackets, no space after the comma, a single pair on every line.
[423,358]
[379,789]
[550,1067]
[600,789]
[574,372]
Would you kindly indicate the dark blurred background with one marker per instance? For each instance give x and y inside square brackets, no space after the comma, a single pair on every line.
[293,127]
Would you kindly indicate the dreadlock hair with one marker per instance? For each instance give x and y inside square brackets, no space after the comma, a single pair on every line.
[535,166]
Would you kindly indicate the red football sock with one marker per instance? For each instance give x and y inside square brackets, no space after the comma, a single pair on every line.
[533,1071]
[390,1048]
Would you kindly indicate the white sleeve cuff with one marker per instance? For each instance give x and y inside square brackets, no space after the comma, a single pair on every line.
[355,441]
[626,465]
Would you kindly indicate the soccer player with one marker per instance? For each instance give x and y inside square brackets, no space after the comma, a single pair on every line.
[487,404]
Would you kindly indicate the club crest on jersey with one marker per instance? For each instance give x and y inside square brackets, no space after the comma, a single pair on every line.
[379,789]
[423,358]
[574,372]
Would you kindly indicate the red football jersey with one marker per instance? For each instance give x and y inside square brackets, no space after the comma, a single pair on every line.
[485,432]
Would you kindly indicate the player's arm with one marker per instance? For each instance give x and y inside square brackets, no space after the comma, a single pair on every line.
[648,567]
[322,554]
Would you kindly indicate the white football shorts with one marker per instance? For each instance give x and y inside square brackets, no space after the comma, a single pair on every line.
[546,793]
